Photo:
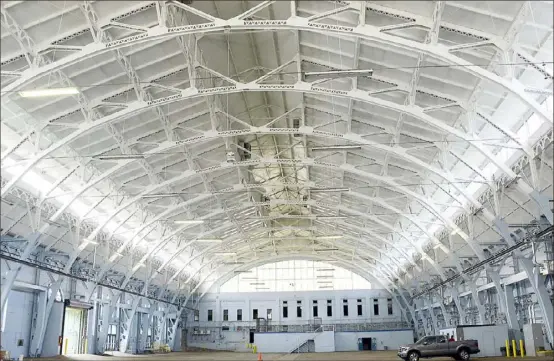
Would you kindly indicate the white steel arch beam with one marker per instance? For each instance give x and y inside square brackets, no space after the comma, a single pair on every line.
[205,251]
[177,252]
[308,162]
[295,23]
[139,106]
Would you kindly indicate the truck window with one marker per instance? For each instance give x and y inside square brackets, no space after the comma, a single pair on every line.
[441,339]
[428,339]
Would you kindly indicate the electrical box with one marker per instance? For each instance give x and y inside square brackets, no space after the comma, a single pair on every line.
[533,338]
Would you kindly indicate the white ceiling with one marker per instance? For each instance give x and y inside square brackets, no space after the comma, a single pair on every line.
[452,85]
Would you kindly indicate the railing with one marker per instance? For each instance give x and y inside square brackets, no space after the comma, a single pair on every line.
[302,328]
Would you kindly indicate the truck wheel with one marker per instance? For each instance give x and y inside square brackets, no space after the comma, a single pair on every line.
[463,355]
[413,356]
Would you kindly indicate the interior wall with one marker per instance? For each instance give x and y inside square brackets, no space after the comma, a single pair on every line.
[348,341]
[262,301]
[18,317]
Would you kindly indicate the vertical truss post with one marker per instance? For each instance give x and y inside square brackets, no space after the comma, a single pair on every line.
[129,316]
[39,321]
[533,275]
[173,331]
[506,309]
[144,326]
[508,295]
[431,310]
[445,315]
[37,335]
[456,299]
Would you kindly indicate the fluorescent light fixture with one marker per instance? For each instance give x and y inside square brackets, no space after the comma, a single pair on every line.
[225,253]
[326,249]
[138,265]
[190,221]
[235,263]
[339,73]
[49,92]
[327,282]
[119,156]
[454,232]
[257,283]
[262,288]
[249,278]
[86,242]
[239,271]
[331,217]
[324,287]
[209,240]
[325,269]
[329,237]
[161,195]
[336,147]
[329,189]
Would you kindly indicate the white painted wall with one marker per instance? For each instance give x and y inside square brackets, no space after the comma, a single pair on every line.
[18,323]
[348,341]
[325,342]
[262,301]
[281,341]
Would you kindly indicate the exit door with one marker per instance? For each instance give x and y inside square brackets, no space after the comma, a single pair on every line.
[366,344]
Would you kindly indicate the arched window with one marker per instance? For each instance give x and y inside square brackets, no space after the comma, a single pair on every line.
[295,275]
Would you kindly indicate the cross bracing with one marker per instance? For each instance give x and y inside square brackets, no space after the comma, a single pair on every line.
[451,135]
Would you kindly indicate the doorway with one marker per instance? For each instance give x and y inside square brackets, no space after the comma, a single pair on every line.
[366,344]
[251,339]
[74,331]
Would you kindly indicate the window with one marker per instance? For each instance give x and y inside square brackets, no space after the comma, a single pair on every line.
[315,308]
[299,309]
[389,306]
[376,307]
[269,314]
[255,314]
[285,309]
[196,315]
[224,328]
[239,315]
[210,315]
[345,307]
[329,308]
[225,315]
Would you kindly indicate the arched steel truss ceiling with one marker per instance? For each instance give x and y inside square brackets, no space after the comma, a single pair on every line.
[492,221]
[139,106]
[364,31]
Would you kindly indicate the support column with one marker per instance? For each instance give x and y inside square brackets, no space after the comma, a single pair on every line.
[510,300]
[37,335]
[532,274]
[144,326]
[477,302]
[39,323]
[126,328]
[537,281]
[431,311]
[456,299]
[506,308]
[445,314]
[7,286]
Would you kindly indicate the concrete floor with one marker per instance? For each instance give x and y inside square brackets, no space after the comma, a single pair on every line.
[236,356]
